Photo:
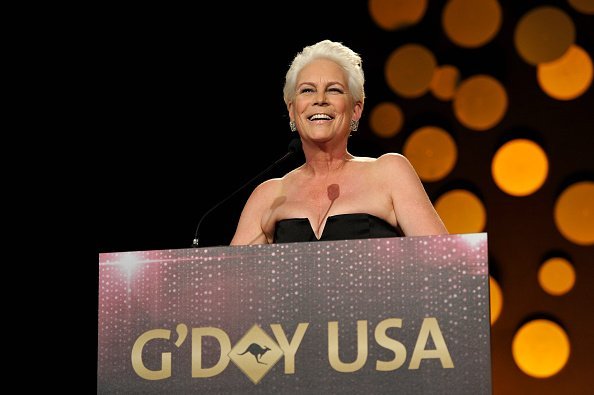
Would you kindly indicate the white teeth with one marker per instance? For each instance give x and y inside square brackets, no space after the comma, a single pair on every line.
[319,116]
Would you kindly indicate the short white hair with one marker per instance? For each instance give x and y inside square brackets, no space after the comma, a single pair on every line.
[342,55]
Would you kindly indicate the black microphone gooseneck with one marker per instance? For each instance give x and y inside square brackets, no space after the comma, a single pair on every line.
[294,146]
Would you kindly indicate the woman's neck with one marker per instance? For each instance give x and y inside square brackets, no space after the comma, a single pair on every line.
[325,163]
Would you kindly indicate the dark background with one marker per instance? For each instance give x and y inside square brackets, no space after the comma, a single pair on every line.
[191,108]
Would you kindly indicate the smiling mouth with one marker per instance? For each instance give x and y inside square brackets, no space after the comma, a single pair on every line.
[320,117]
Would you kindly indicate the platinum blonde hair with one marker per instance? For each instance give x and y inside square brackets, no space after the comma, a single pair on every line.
[342,55]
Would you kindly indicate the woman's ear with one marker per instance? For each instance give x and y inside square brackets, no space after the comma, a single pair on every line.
[357,110]
[290,110]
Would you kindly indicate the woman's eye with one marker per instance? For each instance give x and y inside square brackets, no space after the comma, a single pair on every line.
[306,90]
[335,90]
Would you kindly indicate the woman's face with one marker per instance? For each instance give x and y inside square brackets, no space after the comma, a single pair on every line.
[323,106]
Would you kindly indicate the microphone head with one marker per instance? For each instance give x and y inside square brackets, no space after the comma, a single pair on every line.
[295,145]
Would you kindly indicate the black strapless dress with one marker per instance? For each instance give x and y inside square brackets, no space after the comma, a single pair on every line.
[338,227]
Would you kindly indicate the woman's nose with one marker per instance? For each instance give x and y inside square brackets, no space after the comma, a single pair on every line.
[320,98]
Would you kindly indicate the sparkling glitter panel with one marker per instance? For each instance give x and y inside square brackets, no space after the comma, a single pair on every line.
[347,284]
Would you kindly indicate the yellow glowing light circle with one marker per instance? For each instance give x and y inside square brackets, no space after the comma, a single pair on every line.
[496,299]
[461,211]
[386,119]
[471,23]
[520,167]
[583,6]
[432,152]
[480,102]
[556,276]
[541,348]
[396,14]
[409,70]
[544,34]
[574,213]
[445,82]
[567,77]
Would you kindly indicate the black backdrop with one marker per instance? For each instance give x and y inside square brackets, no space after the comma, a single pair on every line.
[193,112]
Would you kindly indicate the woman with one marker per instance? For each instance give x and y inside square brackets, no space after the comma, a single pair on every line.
[334,195]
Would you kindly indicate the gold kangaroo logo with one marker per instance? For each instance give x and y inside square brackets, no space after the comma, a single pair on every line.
[257,351]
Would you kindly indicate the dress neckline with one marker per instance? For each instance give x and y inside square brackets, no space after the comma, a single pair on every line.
[329,218]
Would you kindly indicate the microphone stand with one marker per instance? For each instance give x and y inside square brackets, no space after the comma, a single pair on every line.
[293,147]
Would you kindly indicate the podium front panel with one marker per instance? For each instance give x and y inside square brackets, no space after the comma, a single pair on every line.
[397,315]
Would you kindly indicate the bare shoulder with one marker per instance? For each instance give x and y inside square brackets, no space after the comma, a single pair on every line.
[364,159]
[267,189]
[272,188]
[394,164]
[387,164]
[392,159]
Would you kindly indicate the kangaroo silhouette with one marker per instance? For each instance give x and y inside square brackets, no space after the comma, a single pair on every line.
[257,351]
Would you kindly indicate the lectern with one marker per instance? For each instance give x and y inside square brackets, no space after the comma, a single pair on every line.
[403,315]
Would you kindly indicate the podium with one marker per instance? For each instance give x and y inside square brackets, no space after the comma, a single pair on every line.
[403,315]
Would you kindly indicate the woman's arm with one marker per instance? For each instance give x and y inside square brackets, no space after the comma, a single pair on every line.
[414,211]
[249,228]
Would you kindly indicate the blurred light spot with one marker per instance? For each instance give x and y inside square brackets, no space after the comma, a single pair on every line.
[396,14]
[567,77]
[480,102]
[544,34]
[474,240]
[386,119]
[432,152]
[574,213]
[556,276]
[496,299]
[471,23]
[461,211]
[520,167]
[409,70]
[128,262]
[541,348]
[583,6]
[445,82]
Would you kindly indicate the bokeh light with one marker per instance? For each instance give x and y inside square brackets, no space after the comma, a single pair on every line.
[496,299]
[432,152]
[471,23]
[480,102]
[396,14]
[386,119]
[567,77]
[541,348]
[574,213]
[409,70]
[445,81]
[556,276]
[520,167]
[461,211]
[583,6]
[544,34]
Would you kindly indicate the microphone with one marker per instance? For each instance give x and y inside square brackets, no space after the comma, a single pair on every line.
[294,147]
